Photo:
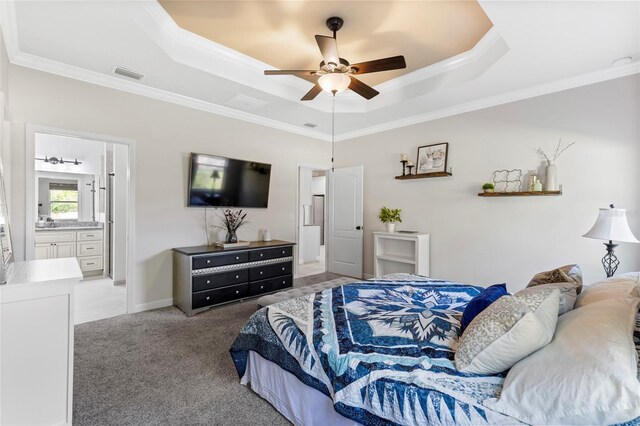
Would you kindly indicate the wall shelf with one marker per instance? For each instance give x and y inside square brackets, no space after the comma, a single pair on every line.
[424,175]
[520,194]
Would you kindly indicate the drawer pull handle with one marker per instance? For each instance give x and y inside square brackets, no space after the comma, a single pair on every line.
[283,251]
[90,263]
[237,291]
[237,277]
[283,268]
[260,272]
[208,281]
[208,261]
[261,287]
[89,235]
[261,254]
[237,257]
[283,282]
[90,248]
[208,298]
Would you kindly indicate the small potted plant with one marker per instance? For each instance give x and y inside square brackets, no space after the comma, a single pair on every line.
[390,217]
[488,187]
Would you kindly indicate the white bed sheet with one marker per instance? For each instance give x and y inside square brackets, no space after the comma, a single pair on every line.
[302,405]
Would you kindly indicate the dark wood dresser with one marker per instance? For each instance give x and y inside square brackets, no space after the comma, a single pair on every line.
[206,276]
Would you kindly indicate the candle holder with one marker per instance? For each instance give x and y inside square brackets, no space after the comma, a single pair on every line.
[410,167]
[404,166]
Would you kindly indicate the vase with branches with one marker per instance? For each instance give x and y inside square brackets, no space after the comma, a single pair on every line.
[551,183]
[232,220]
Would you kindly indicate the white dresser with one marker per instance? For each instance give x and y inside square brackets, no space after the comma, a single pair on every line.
[401,252]
[36,342]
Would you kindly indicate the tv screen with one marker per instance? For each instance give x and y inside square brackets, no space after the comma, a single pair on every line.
[226,182]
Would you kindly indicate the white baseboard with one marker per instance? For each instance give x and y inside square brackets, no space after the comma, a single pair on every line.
[152,305]
[367,276]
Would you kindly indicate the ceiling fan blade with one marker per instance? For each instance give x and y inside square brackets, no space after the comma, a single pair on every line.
[290,72]
[329,49]
[386,64]
[362,89]
[311,94]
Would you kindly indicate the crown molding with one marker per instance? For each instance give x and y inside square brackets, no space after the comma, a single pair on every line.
[77,73]
[505,98]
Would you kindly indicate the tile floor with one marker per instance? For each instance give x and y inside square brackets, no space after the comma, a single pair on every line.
[97,299]
[313,268]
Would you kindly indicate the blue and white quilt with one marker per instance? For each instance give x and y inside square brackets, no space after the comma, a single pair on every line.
[381,350]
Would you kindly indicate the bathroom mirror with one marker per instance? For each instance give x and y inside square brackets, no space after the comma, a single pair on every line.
[66,197]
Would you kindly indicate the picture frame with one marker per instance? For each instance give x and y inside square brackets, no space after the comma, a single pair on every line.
[432,158]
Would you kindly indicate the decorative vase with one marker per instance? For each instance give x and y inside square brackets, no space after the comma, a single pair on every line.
[231,237]
[551,183]
[391,227]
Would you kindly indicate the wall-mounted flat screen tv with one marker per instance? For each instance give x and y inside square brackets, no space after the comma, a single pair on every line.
[216,181]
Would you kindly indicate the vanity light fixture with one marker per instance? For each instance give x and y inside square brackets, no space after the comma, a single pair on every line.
[56,160]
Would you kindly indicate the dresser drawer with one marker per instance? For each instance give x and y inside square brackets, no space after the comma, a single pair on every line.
[200,262]
[220,295]
[89,248]
[269,271]
[54,237]
[90,263]
[207,282]
[271,253]
[273,284]
[90,235]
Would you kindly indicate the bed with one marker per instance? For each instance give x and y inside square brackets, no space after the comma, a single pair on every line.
[374,352]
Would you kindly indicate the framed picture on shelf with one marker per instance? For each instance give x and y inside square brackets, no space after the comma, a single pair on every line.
[432,158]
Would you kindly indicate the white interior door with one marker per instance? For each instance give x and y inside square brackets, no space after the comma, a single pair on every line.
[344,206]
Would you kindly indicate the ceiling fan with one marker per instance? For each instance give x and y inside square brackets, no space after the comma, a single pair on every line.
[336,74]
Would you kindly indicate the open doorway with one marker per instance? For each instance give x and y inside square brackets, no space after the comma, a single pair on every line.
[312,221]
[78,200]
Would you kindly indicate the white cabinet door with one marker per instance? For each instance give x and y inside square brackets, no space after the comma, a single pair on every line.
[65,250]
[43,251]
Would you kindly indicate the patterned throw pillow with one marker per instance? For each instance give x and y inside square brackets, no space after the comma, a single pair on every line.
[568,294]
[510,329]
[564,274]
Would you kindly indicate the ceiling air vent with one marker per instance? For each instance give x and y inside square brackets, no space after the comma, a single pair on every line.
[128,73]
[310,125]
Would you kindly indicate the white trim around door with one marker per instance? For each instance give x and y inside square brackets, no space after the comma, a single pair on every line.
[30,208]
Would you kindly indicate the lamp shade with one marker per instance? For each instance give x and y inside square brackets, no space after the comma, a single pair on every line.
[334,82]
[612,225]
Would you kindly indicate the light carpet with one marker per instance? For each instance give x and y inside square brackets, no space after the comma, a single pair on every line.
[162,368]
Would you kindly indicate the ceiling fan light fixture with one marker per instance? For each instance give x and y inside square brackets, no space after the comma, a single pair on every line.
[334,82]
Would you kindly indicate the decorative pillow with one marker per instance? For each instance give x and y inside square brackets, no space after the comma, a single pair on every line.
[563,274]
[511,328]
[586,375]
[480,302]
[624,285]
[567,294]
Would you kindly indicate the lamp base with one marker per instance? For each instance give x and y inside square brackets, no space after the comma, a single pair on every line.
[610,262]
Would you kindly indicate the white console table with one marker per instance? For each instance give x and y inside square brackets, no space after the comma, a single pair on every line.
[36,342]
[401,252]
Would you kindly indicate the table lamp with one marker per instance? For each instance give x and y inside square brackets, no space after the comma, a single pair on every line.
[611,226]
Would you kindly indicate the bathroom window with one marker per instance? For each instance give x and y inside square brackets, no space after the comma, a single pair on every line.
[63,201]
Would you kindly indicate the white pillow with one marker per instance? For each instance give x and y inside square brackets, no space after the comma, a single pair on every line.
[621,286]
[586,375]
[567,294]
[508,330]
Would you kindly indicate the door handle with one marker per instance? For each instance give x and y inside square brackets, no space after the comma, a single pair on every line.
[358,227]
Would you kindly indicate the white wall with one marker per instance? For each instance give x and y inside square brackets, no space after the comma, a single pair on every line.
[165,134]
[495,240]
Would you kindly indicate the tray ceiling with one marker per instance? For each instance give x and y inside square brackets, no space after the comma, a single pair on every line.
[531,48]
[280,33]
